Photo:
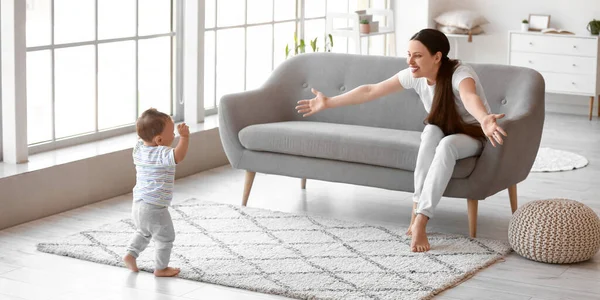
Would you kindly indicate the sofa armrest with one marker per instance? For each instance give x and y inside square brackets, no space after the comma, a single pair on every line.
[238,110]
[504,165]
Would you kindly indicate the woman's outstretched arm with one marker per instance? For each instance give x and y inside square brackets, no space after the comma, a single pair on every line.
[361,94]
[475,107]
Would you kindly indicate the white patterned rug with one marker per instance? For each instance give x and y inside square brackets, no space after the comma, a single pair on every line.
[552,160]
[294,255]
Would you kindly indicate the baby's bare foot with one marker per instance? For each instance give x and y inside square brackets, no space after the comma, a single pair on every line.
[130,262]
[166,272]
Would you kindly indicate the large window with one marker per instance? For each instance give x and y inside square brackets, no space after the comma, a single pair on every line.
[246,39]
[94,65]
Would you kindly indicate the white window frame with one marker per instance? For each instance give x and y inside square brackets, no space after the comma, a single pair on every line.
[13,77]
[299,20]
[176,104]
[13,84]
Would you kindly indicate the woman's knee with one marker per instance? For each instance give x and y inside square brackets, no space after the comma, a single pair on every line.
[447,148]
[432,132]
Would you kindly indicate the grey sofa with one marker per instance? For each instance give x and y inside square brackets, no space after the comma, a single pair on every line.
[374,144]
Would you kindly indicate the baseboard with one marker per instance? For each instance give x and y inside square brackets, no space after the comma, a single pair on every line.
[569,104]
[41,193]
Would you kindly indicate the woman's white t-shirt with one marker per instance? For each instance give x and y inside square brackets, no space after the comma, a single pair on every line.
[426,91]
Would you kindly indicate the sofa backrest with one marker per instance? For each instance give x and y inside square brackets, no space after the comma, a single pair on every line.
[508,89]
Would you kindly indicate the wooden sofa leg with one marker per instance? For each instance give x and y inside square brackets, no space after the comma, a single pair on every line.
[303,183]
[472,209]
[591,106]
[248,186]
[512,195]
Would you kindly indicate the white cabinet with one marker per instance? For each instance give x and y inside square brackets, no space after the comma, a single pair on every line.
[568,63]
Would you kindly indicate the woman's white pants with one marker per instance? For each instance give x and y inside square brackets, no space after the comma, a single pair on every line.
[436,159]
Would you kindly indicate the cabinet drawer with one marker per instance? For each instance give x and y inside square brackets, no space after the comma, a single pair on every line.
[571,83]
[554,63]
[554,44]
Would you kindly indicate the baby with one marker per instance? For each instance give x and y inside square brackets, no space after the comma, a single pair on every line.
[155,162]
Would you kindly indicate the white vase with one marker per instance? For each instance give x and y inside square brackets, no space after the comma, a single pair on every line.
[524,27]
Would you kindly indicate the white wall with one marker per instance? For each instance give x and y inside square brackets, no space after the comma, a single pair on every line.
[503,15]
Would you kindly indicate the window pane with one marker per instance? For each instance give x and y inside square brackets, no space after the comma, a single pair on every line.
[314,8]
[116,18]
[376,45]
[260,11]
[260,39]
[354,5]
[116,84]
[75,90]
[209,13]
[352,46]
[314,29]
[285,10]
[230,12]
[39,97]
[155,74]
[74,21]
[379,4]
[209,69]
[154,16]
[230,61]
[340,44]
[38,22]
[284,35]
[340,6]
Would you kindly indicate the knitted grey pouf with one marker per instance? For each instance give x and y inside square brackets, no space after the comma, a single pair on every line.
[555,231]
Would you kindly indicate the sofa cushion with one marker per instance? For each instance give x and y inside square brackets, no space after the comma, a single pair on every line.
[359,144]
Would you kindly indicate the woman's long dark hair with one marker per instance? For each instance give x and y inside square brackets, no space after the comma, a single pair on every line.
[443,111]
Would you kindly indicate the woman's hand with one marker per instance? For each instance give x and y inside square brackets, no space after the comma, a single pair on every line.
[492,130]
[312,106]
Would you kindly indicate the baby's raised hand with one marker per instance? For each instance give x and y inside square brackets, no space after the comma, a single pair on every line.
[183,130]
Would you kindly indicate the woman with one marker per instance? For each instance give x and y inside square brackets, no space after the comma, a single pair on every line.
[458,122]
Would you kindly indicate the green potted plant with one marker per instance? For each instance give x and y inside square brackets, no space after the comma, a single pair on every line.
[524,25]
[300,45]
[364,26]
[594,27]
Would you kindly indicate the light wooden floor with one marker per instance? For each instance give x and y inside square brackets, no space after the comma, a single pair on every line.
[28,274]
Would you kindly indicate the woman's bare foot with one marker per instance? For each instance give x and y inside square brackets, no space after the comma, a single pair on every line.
[412,219]
[166,272]
[130,262]
[419,242]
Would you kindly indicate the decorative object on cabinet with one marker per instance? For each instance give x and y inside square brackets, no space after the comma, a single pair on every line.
[556,31]
[538,22]
[594,27]
[524,25]
[568,63]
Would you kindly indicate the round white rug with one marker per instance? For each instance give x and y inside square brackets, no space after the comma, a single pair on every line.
[552,160]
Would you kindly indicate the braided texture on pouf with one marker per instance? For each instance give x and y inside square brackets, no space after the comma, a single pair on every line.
[555,231]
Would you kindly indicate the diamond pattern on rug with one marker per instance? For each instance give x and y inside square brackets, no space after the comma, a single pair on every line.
[294,255]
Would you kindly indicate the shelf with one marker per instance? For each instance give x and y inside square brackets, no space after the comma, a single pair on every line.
[347,31]
[386,25]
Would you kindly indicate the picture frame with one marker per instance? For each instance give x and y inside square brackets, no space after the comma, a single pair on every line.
[538,22]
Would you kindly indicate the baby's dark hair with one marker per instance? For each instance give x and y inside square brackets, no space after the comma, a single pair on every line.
[150,124]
